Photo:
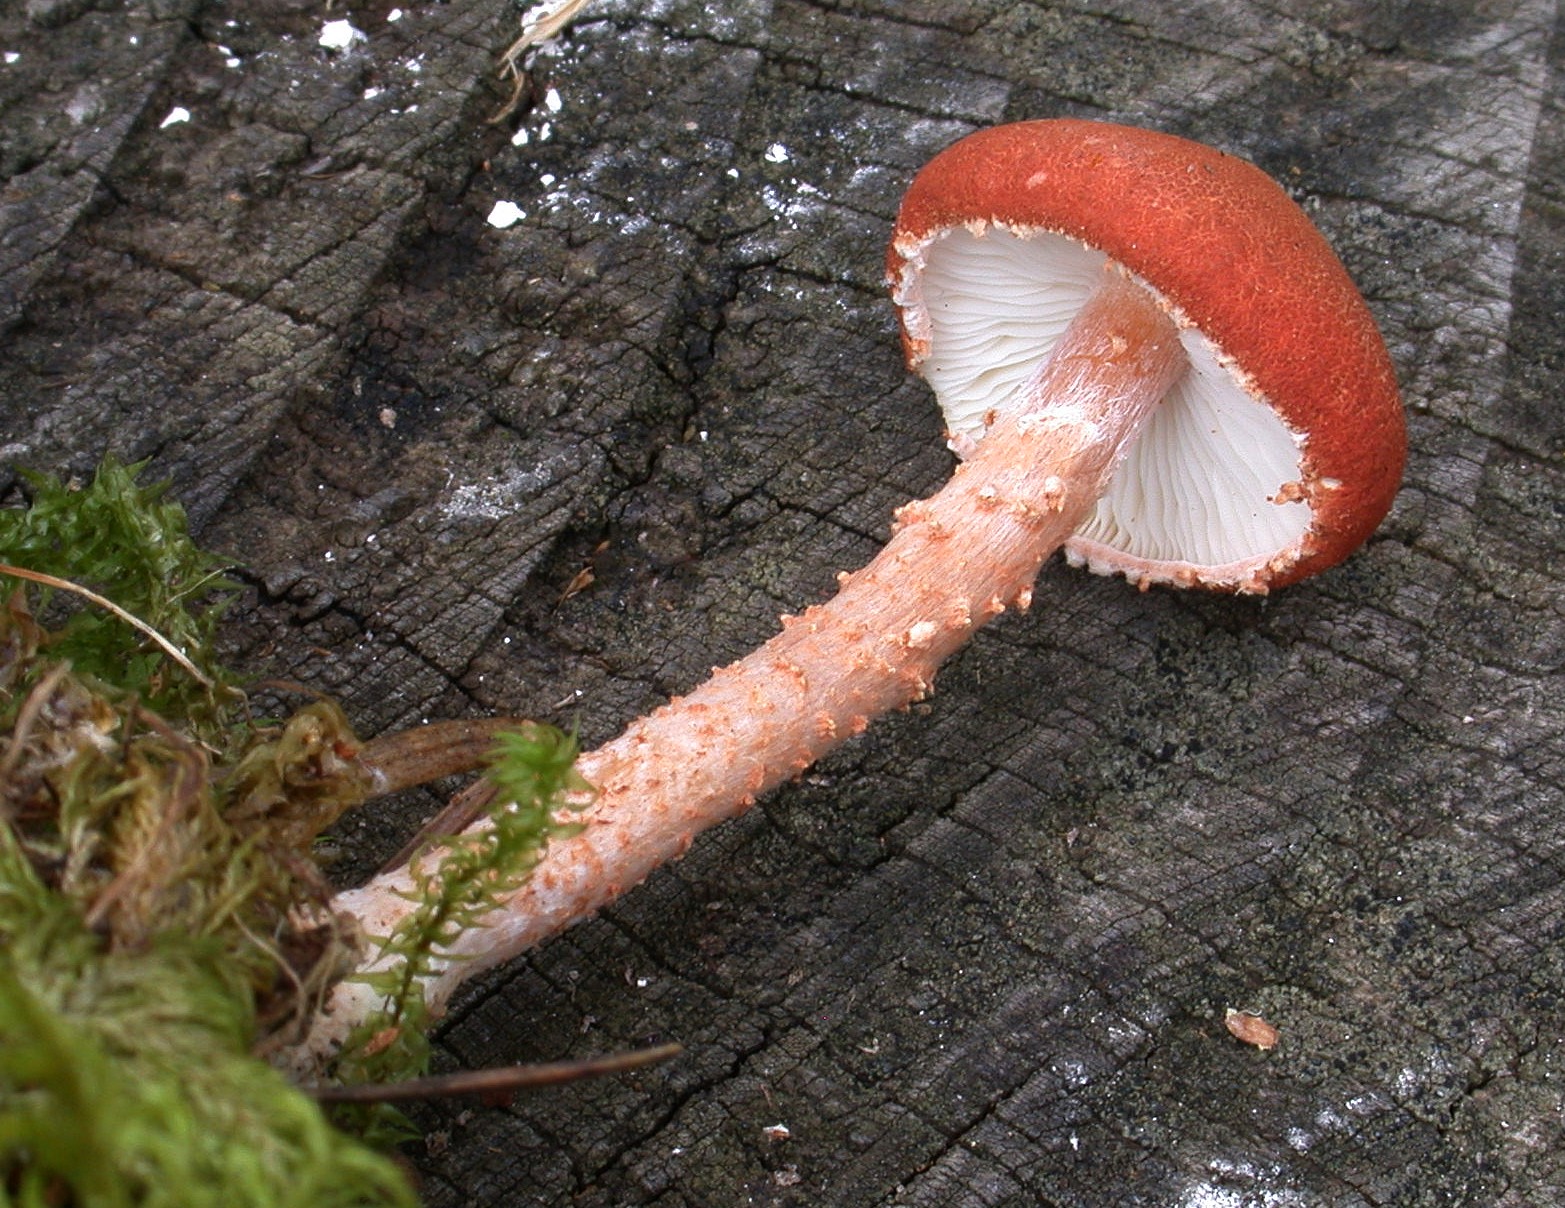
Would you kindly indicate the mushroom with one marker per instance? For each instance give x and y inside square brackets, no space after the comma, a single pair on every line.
[1146,353]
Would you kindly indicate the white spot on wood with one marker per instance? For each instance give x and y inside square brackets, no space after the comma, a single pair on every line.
[505,214]
[339,35]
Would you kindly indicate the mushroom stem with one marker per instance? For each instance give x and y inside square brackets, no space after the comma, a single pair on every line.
[956,561]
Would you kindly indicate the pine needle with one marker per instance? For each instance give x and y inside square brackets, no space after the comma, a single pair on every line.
[86,593]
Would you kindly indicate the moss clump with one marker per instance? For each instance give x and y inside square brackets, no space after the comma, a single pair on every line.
[127,1076]
[160,917]
[162,920]
[131,545]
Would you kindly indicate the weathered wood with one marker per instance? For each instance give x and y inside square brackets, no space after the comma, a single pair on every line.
[983,954]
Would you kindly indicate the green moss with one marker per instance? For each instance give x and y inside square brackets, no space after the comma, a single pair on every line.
[162,919]
[127,542]
[533,770]
[127,1078]
[160,915]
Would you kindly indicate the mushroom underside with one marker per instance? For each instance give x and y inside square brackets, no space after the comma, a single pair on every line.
[1208,491]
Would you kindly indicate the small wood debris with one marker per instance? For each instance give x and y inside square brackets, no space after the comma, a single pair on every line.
[1251,1029]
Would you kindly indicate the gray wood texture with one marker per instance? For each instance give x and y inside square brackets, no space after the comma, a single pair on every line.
[981,956]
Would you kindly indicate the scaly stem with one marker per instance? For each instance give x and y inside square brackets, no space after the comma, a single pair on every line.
[956,561]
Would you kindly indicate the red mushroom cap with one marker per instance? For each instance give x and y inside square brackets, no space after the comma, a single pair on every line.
[1232,257]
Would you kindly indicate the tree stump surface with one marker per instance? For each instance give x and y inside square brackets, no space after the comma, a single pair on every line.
[983,954]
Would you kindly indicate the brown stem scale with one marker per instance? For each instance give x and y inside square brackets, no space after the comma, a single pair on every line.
[956,561]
